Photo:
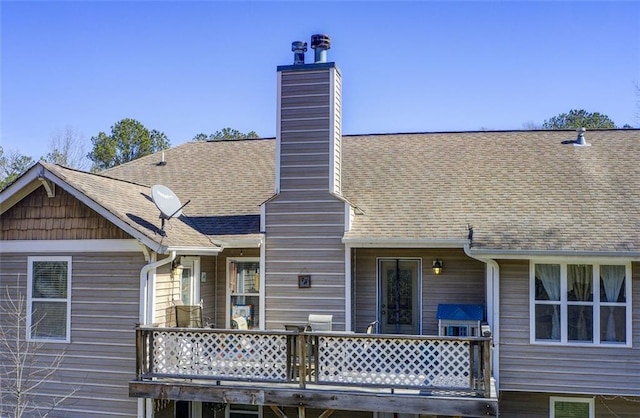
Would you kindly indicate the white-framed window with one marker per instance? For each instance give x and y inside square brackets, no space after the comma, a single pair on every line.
[568,407]
[243,294]
[49,299]
[580,303]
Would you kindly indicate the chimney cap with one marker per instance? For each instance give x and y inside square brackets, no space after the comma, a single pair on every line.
[320,41]
[300,46]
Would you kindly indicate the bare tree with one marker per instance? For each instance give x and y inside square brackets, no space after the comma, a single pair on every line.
[24,367]
[67,148]
[531,126]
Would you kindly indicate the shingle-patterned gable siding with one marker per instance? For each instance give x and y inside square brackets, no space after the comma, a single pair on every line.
[39,217]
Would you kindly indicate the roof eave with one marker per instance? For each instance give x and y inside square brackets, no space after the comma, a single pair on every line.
[194,250]
[370,242]
[525,254]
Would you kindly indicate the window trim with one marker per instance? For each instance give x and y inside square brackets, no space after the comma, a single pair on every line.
[596,303]
[229,294]
[589,401]
[30,299]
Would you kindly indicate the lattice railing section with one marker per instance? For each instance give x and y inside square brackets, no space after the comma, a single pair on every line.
[443,365]
[394,362]
[219,355]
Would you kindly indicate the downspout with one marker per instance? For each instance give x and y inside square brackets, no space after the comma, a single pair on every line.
[493,306]
[144,280]
[145,409]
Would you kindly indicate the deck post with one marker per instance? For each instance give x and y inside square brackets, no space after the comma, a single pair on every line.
[302,359]
[486,362]
[139,351]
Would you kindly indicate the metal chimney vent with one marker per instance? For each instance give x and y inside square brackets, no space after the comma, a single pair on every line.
[320,43]
[581,141]
[298,48]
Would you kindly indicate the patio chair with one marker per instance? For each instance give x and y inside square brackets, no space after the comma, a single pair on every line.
[189,316]
[239,322]
[372,328]
[320,322]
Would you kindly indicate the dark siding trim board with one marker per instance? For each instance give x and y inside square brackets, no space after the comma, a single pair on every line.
[588,369]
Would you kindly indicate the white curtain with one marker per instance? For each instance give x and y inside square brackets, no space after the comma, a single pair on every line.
[549,275]
[613,278]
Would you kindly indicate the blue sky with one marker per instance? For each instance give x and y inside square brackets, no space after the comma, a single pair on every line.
[190,67]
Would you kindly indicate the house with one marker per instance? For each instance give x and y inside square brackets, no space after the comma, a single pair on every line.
[535,232]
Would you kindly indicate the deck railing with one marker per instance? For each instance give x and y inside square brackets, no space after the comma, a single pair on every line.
[456,365]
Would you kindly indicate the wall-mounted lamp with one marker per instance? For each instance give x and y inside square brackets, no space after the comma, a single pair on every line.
[437,267]
[176,269]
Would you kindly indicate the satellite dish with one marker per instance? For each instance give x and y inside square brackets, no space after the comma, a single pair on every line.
[167,202]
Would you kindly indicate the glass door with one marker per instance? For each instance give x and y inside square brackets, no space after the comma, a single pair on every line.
[399,296]
[189,286]
[244,290]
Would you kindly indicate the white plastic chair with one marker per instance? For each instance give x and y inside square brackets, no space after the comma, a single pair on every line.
[320,322]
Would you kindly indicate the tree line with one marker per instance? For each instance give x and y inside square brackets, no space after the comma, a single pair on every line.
[130,139]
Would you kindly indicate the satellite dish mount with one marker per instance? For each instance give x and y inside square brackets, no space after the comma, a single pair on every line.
[167,202]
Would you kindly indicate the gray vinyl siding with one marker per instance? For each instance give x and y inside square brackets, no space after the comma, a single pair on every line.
[589,369]
[462,281]
[100,360]
[304,239]
[536,405]
[310,130]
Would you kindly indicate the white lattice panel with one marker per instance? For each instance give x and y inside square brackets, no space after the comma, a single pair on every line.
[394,362]
[220,355]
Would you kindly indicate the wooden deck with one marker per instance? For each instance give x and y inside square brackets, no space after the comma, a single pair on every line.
[334,370]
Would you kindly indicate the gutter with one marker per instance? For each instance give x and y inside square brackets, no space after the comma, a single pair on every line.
[525,255]
[493,306]
[194,250]
[402,242]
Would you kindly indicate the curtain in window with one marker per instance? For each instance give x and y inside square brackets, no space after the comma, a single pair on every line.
[549,275]
[580,288]
[612,278]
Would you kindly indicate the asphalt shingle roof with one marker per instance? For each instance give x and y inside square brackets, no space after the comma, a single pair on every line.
[132,204]
[520,190]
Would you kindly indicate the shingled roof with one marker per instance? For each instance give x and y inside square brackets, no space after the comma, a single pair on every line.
[126,204]
[520,190]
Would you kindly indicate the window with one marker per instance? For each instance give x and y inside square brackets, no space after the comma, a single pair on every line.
[580,303]
[244,290]
[243,411]
[49,298]
[571,407]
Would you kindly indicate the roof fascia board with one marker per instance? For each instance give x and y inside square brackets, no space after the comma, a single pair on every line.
[242,243]
[71,245]
[195,250]
[404,243]
[102,211]
[21,188]
[520,254]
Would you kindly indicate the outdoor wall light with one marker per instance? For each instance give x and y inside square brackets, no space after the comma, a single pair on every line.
[437,267]
[176,269]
